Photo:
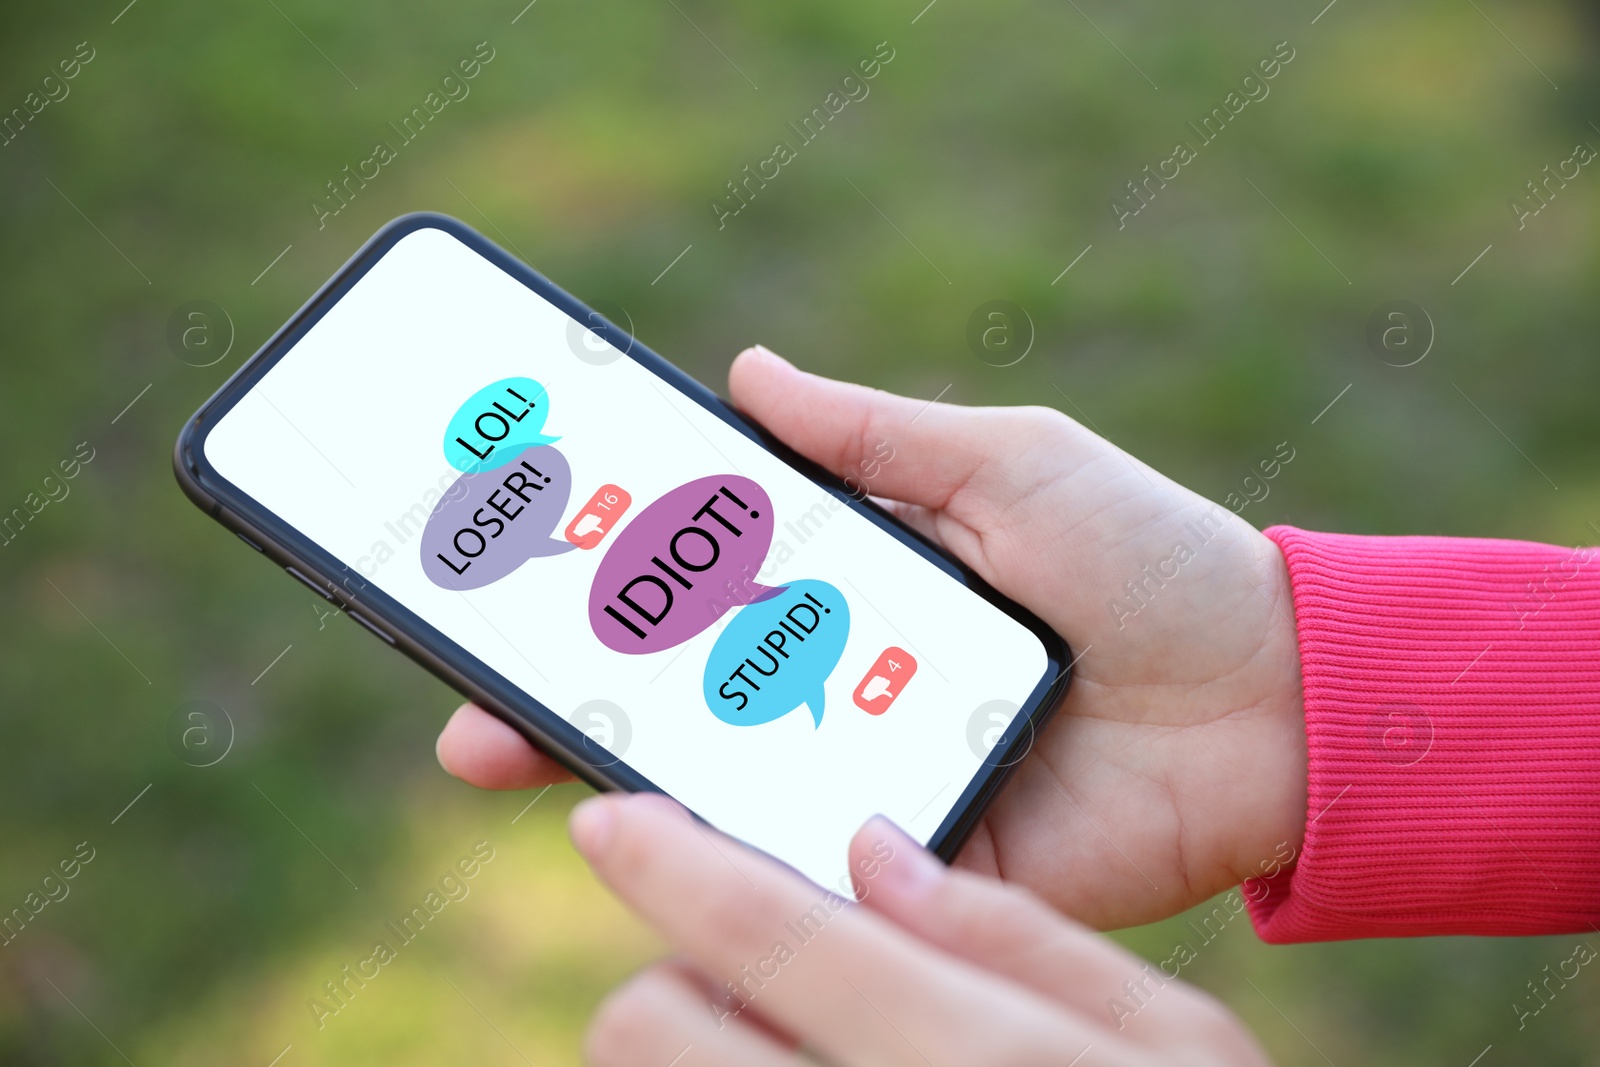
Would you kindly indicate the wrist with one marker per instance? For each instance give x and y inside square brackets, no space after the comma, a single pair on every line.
[1276,790]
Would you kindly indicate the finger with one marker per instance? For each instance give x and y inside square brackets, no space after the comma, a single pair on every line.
[840,978]
[995,486]
[726,1005]
[481,750]
[999,927]
[911,450]
[1009,931]
[663,1015]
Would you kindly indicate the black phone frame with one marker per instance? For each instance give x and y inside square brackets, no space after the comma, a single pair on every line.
[369,606]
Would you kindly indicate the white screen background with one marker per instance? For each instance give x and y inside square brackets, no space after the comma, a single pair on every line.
[343,437]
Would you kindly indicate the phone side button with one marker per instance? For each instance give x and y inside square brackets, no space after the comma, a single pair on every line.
[311,585]
[370,626]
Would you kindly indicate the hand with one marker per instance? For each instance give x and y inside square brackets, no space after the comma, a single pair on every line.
[934,968]
[1177,766]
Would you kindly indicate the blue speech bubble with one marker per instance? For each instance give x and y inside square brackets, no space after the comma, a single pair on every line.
[775,655]
[497,424]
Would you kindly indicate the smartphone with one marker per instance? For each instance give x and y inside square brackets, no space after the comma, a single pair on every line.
[507,487]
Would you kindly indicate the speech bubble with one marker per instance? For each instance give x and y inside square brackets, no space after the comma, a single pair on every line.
[686,560]
[492,522]
[496,424]
[775,655]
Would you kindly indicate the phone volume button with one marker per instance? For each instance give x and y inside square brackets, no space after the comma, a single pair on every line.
[370,626]
[311,585]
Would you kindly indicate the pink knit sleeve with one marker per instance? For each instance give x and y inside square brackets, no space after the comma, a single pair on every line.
[1452,701]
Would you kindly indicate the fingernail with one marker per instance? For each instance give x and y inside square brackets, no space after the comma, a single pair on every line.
[769,354]
[591,825]
[905,868]
[639,802]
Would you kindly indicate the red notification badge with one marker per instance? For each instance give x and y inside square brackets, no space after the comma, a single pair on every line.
[885,681]
[598,516]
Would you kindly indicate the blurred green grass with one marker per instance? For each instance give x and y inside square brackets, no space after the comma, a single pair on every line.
[1198,337]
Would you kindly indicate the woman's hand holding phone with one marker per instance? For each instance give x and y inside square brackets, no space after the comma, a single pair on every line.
[1178,765]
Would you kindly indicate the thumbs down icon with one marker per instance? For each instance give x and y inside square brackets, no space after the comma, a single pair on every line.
[883,684]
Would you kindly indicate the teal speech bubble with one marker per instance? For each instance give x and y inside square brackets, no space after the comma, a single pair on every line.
[497,424]
[775,655]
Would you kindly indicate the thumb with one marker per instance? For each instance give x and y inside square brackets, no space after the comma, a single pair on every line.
[915,451]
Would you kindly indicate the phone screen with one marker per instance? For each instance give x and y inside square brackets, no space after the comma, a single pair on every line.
[711,617]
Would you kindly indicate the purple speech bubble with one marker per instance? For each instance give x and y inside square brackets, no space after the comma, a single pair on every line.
[492,522]
[684,561]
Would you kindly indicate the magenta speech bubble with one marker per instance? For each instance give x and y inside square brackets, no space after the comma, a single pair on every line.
[684,561]
[492,522]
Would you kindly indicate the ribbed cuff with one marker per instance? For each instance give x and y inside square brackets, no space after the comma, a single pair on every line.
[1452,700]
